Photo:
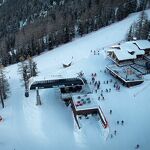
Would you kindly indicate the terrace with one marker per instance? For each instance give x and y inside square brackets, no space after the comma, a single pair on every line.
[85,105]
[82,102]
[128,75]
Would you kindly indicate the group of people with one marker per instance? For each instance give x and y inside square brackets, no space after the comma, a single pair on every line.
[95,52]
[97,86]
[117,86]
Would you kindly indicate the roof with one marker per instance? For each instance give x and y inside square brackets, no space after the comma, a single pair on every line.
[142,44]
[126,51]
[84,102]
[58,82]
[124,55]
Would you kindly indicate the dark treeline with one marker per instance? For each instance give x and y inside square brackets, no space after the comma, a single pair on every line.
[28,27]
[140,29]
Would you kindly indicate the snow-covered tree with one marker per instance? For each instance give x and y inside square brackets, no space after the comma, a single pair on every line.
[129,36]
[32,67]
[4,86]
[27,69]
[140,29]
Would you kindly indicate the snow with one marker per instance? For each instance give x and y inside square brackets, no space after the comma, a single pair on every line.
[143,44]
[124,50]
[52,126]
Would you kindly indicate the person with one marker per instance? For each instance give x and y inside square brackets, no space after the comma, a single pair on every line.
[115,132]
[111,136]
[95,83]
[117,122]
[1,118]
[110,111]
[122,122]
[137,146]
[93,79]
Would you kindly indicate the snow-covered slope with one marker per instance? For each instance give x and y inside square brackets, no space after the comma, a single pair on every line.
[51,126]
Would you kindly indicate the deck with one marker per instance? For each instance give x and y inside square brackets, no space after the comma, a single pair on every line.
[128,75]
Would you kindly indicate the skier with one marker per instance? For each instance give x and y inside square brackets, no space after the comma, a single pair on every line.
[111,136]
[93,79]
[115,132]
[137,146]
[1,118]
[110,111]
[117,122]
[122,122]
[95,83]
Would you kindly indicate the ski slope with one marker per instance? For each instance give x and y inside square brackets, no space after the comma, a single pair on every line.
[51,126]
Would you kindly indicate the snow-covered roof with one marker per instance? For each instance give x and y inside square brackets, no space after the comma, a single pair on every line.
[52,81]
[124,55]
[142,44]
[126,51]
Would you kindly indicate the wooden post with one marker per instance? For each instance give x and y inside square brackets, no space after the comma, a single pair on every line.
[38,99]
[1,96]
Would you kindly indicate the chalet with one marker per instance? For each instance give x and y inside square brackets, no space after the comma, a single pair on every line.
[143,45]
[125,53]
[132,61]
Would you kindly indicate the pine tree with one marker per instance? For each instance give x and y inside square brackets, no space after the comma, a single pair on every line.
[32,67]
[4,86]
[130,34]
[140,29]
